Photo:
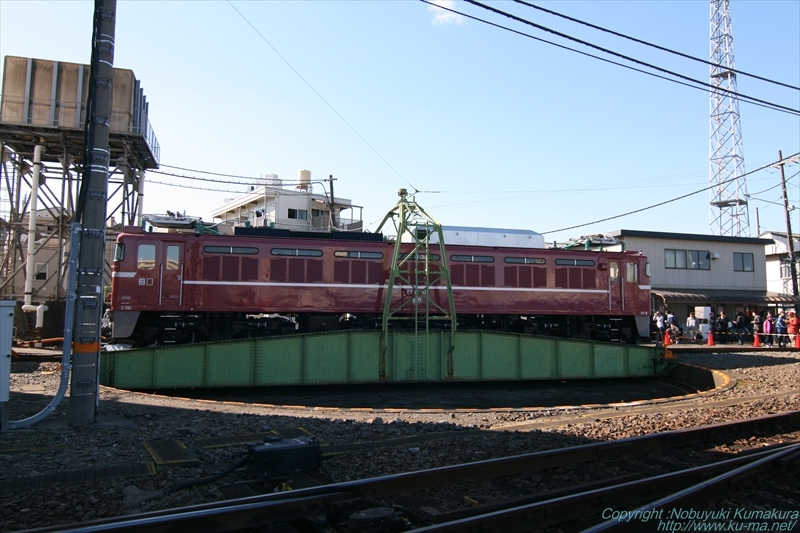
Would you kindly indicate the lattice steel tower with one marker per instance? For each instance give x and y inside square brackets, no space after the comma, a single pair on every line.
[729,214]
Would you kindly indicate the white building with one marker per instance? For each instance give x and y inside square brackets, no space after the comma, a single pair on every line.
[779,276]
[269,204]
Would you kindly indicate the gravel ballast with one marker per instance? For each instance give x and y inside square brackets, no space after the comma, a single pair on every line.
[126,420]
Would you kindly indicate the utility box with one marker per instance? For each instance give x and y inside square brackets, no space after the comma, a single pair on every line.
[283,457]
[6,334]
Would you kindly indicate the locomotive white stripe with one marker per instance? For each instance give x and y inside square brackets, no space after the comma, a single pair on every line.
[366,286]
[645,287]
[123,274]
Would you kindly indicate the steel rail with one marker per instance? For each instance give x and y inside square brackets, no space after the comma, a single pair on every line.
[411,481]
[717,487]
[551,512]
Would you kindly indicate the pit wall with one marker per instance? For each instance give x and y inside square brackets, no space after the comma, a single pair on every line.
[354,357]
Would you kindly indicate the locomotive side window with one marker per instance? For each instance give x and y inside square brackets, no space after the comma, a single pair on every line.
[173,257]
[230,250]
[647,269]
[296,252]
[525,260]
[359,255]
[119,252]
[575,262]
[632,272]
[147,257]
[472,258]
[414,257]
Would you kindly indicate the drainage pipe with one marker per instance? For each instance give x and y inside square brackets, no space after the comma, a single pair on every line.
[31,256]
[66,354]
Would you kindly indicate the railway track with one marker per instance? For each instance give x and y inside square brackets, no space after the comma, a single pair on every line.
[656,473]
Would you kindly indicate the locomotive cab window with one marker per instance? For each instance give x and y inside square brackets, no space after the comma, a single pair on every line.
[146,259]
[119,252]
[173,257]
[613,270]
[632,272]
[647,269]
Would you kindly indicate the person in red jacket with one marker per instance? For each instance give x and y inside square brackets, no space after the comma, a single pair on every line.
[792,326]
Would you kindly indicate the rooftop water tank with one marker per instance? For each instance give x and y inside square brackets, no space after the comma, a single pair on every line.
[303,179]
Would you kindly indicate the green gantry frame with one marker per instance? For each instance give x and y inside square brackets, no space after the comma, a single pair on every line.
[413,273]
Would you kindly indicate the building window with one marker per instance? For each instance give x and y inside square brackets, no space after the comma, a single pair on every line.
[41,271]
[298,214]
[742,262]
[675,258]
[786,269]
[699,260]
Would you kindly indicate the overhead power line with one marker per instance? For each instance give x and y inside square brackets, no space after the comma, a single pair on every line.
[747,99]
[662,48]
[704,189]
[629,58]
[321,97]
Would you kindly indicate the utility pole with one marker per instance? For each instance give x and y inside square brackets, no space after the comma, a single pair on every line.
[91,219]
[792,264]
[333,208]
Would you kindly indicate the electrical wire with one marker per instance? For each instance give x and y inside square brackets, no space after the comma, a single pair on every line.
[646,43]
[253,183]
[745,98]
[629,58]
[704,189]
[320,97]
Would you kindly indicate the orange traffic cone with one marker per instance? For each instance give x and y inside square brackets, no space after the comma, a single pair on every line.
[797,341]
[756,342]
[710,337]
[666,338]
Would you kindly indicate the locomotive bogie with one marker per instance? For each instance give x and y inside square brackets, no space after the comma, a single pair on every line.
[177,288]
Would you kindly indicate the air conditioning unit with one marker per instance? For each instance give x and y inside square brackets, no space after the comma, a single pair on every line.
[714,255]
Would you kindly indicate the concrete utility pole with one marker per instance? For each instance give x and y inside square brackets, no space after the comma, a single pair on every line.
[333,204]
[792,264]
[91,215]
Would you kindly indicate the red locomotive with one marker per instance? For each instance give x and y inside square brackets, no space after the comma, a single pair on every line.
[177,288]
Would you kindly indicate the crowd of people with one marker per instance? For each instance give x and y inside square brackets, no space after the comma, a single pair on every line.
[777,329]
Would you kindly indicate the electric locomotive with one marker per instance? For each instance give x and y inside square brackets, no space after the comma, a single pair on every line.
[172,288]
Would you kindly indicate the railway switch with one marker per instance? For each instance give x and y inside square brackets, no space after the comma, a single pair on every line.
[281,457]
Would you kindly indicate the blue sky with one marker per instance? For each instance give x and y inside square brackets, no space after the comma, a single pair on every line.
[508,131]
